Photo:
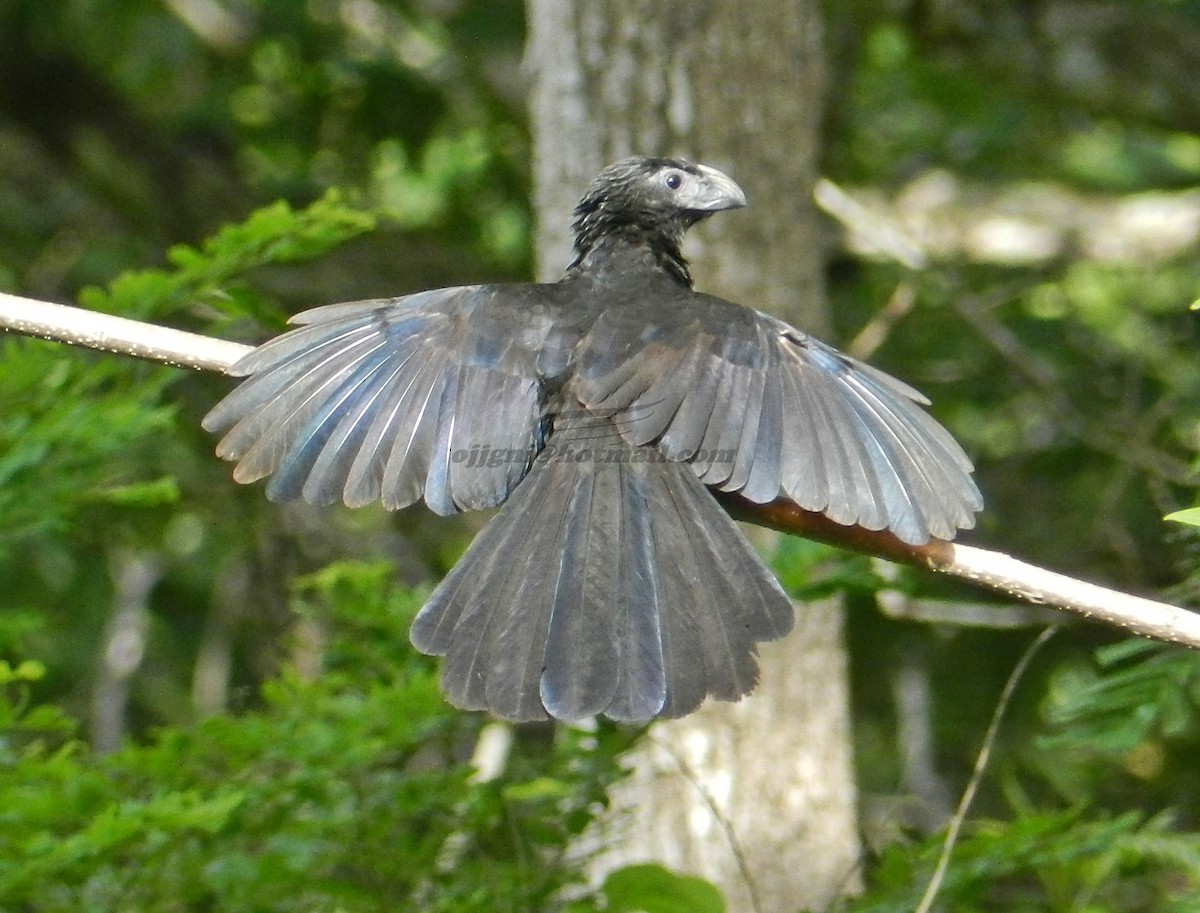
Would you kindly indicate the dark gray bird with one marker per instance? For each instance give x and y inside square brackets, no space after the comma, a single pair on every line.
[599,410]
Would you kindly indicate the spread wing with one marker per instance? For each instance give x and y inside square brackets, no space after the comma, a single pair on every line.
[435,395]
[760,408]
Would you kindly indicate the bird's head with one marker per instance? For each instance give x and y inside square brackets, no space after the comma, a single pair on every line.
[651,201]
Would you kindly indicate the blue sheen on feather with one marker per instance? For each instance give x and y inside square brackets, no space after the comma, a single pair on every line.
[288,480]
[407,327]
[488,350]
[827,361]
[438,495]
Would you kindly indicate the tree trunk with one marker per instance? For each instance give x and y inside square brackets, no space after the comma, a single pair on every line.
[739,87]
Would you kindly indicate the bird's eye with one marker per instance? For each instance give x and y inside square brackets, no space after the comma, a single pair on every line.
[674,180]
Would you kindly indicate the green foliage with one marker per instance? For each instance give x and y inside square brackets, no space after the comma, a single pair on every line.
[653,889]
[64,448]
[1057,861]
[214,273]
[86,424]
[1073,383]
[347,790]
[154,129]
[1123,711]
[811,570]
[1138,691]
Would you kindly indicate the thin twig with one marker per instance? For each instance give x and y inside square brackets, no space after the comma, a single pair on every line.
[981,761]
[875,333]
[735,845]
[992,569]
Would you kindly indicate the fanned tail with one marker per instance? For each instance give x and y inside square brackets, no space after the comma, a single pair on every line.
[611,582]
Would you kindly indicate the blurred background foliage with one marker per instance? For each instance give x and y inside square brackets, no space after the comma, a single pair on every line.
[208,702]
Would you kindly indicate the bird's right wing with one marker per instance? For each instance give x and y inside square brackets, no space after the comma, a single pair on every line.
[760,408]
[435,395]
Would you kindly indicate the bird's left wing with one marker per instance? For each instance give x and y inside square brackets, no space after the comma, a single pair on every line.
[762,409]
[436,395]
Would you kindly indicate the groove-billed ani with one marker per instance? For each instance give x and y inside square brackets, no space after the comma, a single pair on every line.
[598,410]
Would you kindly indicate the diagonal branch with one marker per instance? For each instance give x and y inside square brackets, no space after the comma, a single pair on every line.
[992,569]
[117,334]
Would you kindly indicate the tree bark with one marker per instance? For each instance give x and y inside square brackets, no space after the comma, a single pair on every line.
[758,796]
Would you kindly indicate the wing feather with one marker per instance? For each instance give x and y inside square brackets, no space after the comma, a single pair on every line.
[374,400]
[767,411]
[413,439]
[256,405]
[293,475]
[364,479]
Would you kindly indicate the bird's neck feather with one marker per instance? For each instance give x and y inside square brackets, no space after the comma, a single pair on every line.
[627,248]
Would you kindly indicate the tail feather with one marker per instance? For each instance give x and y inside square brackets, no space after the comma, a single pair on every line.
[742,604]
[642,687]
[517,632]
[615,587]
[492,660]
[582,648]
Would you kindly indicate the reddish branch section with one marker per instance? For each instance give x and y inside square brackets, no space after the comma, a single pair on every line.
[786,517]
[994,570]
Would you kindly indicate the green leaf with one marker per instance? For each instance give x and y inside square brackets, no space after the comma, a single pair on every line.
[1190,516]
[152,493]
[654,889]
[29,670]
[537,789]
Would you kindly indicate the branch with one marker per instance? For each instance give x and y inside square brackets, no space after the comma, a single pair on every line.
[117,334]
[992,569]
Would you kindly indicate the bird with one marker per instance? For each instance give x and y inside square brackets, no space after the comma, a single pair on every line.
[600,413]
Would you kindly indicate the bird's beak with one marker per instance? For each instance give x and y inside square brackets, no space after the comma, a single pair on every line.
[717,192]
